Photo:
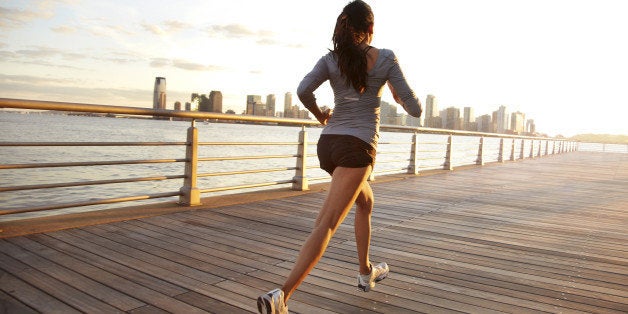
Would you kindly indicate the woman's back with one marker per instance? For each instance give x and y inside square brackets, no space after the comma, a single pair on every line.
[355,113]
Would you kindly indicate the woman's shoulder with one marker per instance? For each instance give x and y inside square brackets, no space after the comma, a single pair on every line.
[387,53]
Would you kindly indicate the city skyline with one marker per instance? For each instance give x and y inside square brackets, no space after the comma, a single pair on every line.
[501,121]
[561,62]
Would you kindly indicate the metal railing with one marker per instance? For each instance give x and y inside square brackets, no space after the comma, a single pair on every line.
[413,156]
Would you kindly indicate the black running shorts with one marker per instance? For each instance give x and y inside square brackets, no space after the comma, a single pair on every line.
[344,151]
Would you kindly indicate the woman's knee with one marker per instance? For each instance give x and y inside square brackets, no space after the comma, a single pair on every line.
[365,202]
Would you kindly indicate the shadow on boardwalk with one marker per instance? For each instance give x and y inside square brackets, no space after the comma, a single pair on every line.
[542,235]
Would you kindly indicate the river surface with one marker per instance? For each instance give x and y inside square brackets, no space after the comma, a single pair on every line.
[393,156]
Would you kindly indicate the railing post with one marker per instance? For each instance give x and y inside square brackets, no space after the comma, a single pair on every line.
[539,151]
[413,167]
[300,176]
[523,147]
[531,148]
[190,194]
[512,151]
[546,147]
[448,164]
[500,158]
[480,160]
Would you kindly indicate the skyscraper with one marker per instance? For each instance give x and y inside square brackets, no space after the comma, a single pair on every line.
[451,118]
[484,123]
[502,121]
[287,106]
[270,105]
[215,101]
[530,126]
[159,94]
[252,104]
[431,111]
[517,122]
[468,119]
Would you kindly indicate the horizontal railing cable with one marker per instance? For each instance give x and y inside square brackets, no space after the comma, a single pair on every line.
[86,183]
[245,157]
[89,163]
[226,173]
[246,186]
[88,203]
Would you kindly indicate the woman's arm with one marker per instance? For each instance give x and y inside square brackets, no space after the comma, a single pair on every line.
[401,91]
[308,85]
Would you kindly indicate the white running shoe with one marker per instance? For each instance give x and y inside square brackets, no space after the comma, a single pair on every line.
[378,273]
[272,303]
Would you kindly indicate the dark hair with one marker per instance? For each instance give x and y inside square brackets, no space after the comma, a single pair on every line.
[351,26]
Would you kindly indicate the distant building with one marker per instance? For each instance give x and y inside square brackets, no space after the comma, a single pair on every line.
[468,120]
[530,126]
[253,103]
[484,124]
[387,113]
[215,101]
[501,120]
[270,105]
[431,111]
[451,118]
[159,94]
[177,105]
[287,102]
[517,122]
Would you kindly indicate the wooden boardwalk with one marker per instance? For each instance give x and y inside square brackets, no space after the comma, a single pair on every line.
[538,235]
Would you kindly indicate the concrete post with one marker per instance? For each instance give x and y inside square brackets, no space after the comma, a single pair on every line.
[512,151]
[500,158]
[300,176]
[448,162]
[531,148]
[523,147]
[413,167]
[539,152]
[480,160]
[190,194]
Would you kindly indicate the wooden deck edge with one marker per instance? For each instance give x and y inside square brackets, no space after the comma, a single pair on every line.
[52,223]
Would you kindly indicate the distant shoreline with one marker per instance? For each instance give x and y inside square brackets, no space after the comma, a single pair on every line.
[586,138]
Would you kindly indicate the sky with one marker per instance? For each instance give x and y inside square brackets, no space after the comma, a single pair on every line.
[561,62]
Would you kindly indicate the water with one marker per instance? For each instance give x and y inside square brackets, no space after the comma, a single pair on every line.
[45,127]
[393,156]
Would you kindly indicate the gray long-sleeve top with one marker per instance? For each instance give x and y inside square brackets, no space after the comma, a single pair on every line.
[354,113]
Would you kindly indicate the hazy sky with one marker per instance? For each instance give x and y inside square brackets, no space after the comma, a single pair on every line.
[564,63]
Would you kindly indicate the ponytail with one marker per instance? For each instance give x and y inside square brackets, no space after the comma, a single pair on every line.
[351,27]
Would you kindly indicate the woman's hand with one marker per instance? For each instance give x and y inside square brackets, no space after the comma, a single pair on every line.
[324,116]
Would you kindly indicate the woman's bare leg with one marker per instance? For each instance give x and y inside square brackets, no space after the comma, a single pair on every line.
[362,225]
[344,188]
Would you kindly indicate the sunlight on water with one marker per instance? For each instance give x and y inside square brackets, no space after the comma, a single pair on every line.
[38,127]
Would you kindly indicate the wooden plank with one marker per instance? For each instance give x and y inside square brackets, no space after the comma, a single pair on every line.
[58,289]
[8,304]
[128,287]
[31,296]
[66,272]
[490,239]
[144,280]
[208,304]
